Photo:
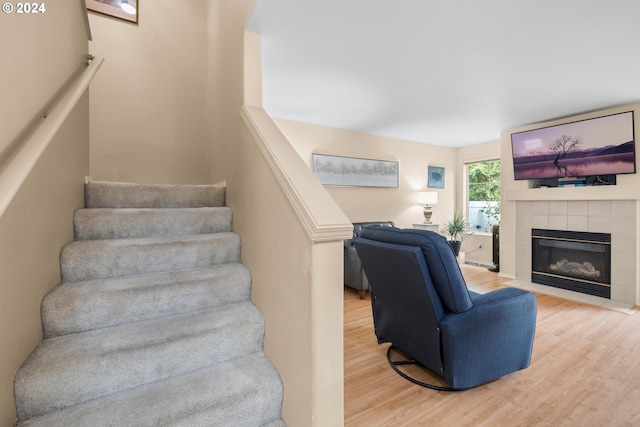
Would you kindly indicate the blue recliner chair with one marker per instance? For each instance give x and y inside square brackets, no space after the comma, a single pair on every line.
[421,305]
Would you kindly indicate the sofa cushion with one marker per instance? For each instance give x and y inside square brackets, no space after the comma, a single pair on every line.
[443,266]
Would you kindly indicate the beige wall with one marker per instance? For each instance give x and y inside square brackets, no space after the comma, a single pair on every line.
[41,54]
[293,245]
[32,231]
[626,184]
[148,103]
[465,155]
[380,204]
[398,205]
[266,252]
[225,36]
[297,283]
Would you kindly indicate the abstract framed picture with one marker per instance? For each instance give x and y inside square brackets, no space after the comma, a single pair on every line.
[351,171]
[127,10]
[435,177]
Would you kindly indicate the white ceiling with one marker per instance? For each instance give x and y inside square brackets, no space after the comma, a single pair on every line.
[451,73]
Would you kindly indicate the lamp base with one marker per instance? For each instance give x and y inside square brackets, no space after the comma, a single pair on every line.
[427,214]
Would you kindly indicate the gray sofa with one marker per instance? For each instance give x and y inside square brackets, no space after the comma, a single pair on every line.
[354,276]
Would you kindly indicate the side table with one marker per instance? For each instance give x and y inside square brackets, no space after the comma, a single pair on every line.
[431,227]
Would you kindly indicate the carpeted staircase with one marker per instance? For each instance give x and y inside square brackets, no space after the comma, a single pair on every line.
[152,324]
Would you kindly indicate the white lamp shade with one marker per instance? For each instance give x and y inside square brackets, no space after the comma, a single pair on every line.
[428,198]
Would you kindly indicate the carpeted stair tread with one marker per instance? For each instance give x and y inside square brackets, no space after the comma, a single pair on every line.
[100,259]
[242,392]
[107,223]
[81,306]
[152,324]
[67,370]
[101,194]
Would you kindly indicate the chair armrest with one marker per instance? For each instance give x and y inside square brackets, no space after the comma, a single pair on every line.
[493,338]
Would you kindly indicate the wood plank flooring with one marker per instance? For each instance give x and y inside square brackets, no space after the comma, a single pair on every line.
[585,371]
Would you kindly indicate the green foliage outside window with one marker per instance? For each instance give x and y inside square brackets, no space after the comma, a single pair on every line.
[484,181]
[484,186]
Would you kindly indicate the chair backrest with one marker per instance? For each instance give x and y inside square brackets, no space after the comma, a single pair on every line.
[441,262]
[414,281]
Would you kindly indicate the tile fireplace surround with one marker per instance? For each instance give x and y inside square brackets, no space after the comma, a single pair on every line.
[617,217]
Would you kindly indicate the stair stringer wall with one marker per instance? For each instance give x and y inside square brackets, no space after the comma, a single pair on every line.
[36,224]
[291,229]
[292,241]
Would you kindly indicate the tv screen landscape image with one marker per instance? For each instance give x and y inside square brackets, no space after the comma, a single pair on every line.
[600,146]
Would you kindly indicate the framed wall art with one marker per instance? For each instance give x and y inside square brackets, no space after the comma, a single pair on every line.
[351,171]
[127,10]
[435,177]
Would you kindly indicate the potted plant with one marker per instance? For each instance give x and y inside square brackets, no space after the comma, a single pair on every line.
[457,230]
[492,212]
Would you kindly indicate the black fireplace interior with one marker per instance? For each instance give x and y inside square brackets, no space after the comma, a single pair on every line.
[572,260]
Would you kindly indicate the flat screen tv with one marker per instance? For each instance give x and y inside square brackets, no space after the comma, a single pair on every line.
[599,146]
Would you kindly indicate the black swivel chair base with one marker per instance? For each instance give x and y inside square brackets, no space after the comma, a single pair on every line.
[395,363]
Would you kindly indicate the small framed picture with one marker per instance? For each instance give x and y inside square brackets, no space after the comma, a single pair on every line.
[436,177]
[127,10]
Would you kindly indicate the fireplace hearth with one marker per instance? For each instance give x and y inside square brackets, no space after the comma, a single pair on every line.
[572,260]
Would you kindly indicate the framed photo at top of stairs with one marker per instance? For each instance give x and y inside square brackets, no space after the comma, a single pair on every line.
[127,10]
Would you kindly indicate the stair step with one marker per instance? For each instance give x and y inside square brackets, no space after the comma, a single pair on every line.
[101,259]
[152,323]
[211,397]
[108,223]
[71,369]
[83,306]
[102,194]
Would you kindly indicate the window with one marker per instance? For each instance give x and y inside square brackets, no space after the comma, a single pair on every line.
[483,204]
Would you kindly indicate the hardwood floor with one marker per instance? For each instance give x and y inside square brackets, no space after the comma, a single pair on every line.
[585,371]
